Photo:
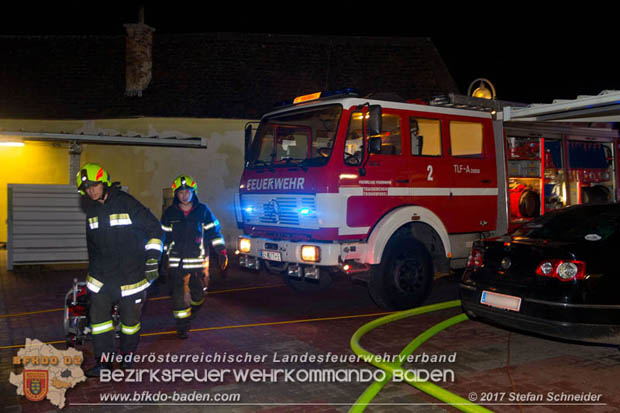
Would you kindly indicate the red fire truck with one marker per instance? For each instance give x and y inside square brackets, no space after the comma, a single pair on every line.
[392,192]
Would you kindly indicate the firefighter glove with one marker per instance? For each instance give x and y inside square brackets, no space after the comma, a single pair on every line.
[222,259]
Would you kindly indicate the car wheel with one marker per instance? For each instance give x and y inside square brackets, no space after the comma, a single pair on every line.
[404,277]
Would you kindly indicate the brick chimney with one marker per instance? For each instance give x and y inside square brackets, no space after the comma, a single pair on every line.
[138,56]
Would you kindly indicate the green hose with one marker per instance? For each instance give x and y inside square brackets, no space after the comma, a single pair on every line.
[429,388]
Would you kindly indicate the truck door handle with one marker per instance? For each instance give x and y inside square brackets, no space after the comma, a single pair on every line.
[402,181]
[486,181]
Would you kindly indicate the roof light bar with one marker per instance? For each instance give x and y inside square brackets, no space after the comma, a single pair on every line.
[318,95]
[307,98]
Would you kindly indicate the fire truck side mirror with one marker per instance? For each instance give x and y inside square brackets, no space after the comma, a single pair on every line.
[374,145]
[374,120]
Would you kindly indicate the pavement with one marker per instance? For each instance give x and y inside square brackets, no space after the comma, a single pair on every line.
[250,315]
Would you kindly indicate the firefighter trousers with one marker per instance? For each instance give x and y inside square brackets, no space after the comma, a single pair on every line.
[189,290]
[102,323]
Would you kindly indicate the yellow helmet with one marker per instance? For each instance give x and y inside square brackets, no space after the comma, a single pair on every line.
[184,182]
[90,174]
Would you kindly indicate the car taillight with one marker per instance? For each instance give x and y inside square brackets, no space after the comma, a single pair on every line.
[475,258]
[564,270]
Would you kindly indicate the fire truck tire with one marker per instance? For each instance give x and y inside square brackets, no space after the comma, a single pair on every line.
[309,286]
[404,277]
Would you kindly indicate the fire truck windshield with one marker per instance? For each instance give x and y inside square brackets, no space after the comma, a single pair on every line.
[303,137]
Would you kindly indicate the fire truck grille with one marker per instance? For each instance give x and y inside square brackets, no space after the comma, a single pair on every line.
[276,210]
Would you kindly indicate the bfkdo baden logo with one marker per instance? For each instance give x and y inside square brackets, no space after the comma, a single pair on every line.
[36,383]
[47,372]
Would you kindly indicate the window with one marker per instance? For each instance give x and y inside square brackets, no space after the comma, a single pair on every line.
[466,139]
[353,146]
[292,142]
[425,136]
[266,144]
[303,136]
[390,137]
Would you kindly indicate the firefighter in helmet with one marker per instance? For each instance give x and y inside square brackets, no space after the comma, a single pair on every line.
[124,242]
[190,230]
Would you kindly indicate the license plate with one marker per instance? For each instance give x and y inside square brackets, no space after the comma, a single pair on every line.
[271,255]
[507,302]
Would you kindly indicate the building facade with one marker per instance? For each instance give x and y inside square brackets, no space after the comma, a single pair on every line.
[181,85]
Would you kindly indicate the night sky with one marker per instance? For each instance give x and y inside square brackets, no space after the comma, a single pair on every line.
[529,56]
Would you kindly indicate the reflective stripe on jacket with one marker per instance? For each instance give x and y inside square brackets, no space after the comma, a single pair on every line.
[124,241]
[188,238]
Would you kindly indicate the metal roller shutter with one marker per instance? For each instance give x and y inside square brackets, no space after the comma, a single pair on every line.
[45,225]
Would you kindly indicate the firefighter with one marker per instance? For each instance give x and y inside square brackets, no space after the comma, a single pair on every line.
[124,242]
[190,230]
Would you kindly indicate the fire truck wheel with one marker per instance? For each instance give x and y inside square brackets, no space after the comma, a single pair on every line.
[404,277]
[309,286]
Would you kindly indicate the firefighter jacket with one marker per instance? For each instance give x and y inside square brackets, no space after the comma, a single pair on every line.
[124,242]
[188,238]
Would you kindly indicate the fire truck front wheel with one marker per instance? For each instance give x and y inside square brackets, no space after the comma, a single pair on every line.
[404,277]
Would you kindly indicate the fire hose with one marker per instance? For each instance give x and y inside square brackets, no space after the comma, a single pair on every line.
[390,367]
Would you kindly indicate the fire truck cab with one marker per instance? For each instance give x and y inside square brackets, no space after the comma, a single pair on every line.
[392,192]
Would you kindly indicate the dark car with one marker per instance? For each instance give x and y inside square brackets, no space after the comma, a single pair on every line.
[557,275]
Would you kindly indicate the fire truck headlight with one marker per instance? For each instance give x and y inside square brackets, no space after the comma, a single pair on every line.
[245,245]
[310,253]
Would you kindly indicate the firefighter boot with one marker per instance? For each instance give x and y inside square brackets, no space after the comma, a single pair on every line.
[182,332]
[182,328]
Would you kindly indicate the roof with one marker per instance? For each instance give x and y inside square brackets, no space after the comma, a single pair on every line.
[173,142]
[604,107]
[214,75]
[348,102]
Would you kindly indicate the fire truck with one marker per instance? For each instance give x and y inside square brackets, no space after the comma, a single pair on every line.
[393,192]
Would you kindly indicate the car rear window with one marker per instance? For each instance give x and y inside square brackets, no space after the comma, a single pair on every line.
[591,223]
